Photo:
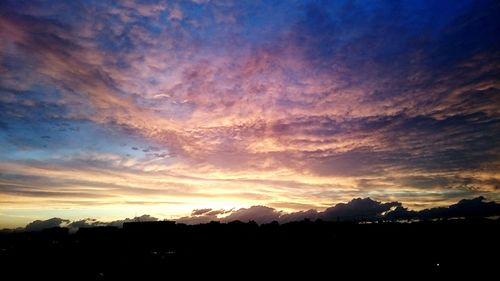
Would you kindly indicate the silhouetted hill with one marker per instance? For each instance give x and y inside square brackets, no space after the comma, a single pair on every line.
[163,249]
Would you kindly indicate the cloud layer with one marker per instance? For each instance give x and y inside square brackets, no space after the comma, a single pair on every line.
[356,210]
[221,104]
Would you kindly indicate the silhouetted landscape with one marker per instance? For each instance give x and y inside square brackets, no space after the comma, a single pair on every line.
[362,234]
[166,249]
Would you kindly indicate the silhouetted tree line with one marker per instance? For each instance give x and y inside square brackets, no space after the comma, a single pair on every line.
[163,249]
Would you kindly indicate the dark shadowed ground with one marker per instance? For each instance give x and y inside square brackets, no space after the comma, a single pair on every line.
[152,250]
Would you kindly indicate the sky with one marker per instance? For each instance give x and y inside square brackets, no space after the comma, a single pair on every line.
[118,109]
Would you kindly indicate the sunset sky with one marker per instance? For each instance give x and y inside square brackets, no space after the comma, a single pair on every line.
[118,109]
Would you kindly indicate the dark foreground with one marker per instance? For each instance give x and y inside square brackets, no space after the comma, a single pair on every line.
[151,250]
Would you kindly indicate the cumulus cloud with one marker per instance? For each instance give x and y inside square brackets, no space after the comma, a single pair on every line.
[298,216]
[203,216]
[476,207]
[84,223]
[197,219]
[43,224]
[259,214]
[358,209]
[143,218]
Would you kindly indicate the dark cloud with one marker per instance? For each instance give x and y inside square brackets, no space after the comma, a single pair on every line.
[465,208]
[401,213]
[401,35]
[460,142]
[197,219]
[359,209]
[89,222]
[119,223]
[356,162]
[476,207]
[219,212]
[298,216]
[84,223]
[203,216]
[259,214]
[197,212]
[43,224]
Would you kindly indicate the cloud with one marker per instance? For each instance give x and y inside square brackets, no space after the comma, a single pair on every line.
[259,214]
[119,223]
[84,223]
[197,219]
[89,222]
[198,212]
[219,212]
[358,209]
[476,207]
[43,224]
[298,216]
[466,208]
[291,102]
[203,216]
